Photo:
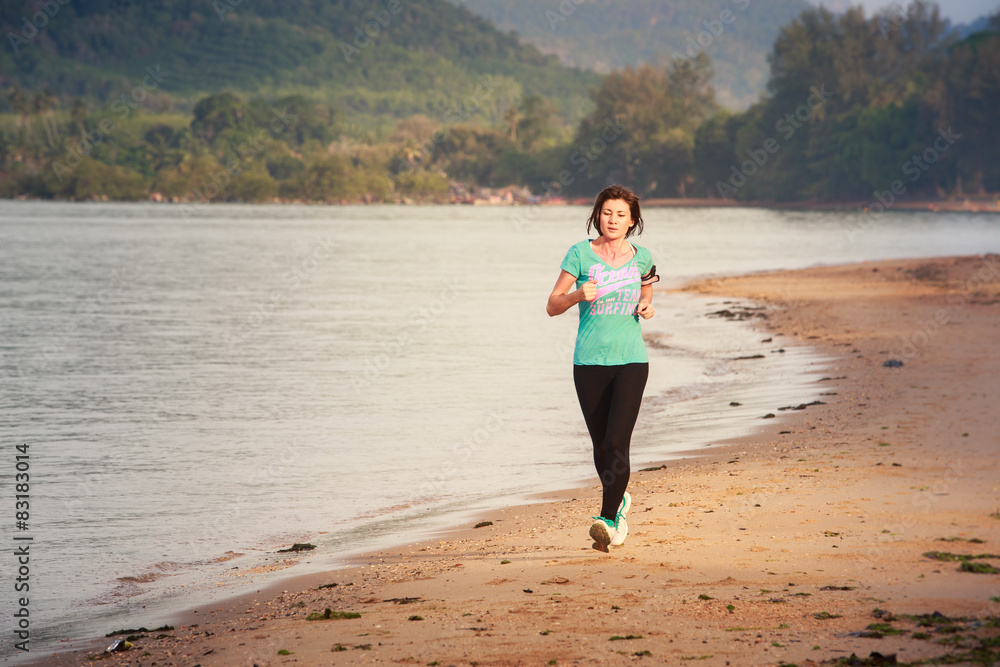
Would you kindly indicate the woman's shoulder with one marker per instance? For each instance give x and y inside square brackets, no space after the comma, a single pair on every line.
[643,257]
[575,256]
[580,246]
[641,251]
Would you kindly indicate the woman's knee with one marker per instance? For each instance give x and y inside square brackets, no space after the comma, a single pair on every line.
[619,462]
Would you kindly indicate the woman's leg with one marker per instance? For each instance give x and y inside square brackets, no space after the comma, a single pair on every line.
[610,397]
[626,398]
[593,389]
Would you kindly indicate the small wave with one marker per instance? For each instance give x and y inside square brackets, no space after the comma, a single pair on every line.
[160,570]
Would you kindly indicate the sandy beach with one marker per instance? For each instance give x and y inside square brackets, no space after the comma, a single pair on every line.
[805,543]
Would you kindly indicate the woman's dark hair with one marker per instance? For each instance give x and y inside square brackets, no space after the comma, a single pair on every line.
[616,192]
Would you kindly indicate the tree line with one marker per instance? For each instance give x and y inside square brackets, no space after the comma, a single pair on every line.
[855,107]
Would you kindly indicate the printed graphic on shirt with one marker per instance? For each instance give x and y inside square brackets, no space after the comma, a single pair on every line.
[614,284]
[614,340]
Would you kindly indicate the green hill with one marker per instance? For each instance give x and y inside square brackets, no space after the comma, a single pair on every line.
[263,105]
[374,61]
[604,35]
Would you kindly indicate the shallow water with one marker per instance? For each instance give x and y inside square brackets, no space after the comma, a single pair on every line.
[191,388]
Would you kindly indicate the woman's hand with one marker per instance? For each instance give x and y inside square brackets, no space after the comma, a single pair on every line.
[587,291]
[561,299]
[645,308]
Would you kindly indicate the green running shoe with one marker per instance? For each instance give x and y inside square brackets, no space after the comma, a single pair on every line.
[603,531]
[621,526]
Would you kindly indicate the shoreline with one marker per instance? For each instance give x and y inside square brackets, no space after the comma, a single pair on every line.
[969,204]
[690,514]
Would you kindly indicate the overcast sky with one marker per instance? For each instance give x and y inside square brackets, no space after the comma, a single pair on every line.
[959,11]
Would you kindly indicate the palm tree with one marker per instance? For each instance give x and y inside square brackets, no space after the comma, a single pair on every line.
[78,112]
[161,139]
[43,104]
[512,117]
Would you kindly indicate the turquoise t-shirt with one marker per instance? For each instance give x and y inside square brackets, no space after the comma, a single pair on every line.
[609,333]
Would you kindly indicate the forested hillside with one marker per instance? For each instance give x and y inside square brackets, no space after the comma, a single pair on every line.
[372,59]
[861,108]
[606,35]
[899,100]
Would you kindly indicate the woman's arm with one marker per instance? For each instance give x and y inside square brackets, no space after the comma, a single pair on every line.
[562,299]
[645,309]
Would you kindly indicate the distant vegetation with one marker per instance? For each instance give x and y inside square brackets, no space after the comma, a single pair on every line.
[606,35]
[374,59]
[891,87]
[855,107]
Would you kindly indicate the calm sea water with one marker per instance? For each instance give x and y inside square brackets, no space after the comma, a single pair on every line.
[193,388]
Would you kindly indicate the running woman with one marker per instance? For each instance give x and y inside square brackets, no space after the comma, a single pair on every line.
[611,282]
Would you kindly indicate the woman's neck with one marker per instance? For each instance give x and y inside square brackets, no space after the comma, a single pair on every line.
[613,247]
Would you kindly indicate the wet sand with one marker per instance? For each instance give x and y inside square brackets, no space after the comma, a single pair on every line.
[803,543]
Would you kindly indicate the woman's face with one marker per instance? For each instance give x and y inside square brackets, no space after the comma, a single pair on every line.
[616,219]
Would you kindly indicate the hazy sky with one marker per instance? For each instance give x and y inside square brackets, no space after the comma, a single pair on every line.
[959,11]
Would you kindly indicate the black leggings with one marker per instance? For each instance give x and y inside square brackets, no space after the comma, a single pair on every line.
[610,397]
